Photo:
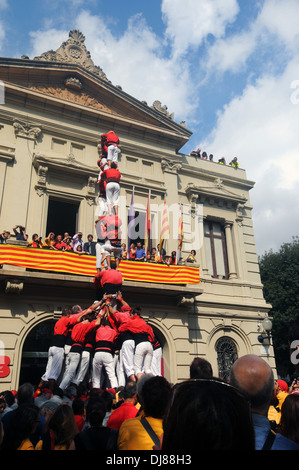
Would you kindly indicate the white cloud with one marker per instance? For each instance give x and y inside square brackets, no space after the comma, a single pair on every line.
[261,128]
[44,40]
[136,60]
[276,25]
[190,22]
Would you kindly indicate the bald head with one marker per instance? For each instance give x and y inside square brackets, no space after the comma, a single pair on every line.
[254,376]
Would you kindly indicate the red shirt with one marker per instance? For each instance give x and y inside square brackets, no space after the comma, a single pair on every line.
[110,276]
[110,227]
[136,324]
[111,174]
[111,138]
[60,245]
[64,323]
[118,416]
[80,331]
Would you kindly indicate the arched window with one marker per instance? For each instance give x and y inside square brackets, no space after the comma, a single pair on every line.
[35,352]
[226,355]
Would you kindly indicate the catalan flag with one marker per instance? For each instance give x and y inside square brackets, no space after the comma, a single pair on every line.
[131,219]
[147,234]
[165,225]
[64,262]
[180,235]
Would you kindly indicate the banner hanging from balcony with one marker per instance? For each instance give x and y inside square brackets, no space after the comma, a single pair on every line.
[72,263]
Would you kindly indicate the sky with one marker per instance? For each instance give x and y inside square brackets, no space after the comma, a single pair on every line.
[228,68]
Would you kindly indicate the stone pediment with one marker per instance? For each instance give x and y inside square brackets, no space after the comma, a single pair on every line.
[70,74]
[73,51]
[74,95]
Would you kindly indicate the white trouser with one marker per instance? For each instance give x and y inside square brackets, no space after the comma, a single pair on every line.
[127,349]
[112,153]
[120,370]
[54,364]
[83,367]
[102,208]
[108,249]
[112,193]
[156,362]
[71,365]
[143,357]
[99,251]
[103,359]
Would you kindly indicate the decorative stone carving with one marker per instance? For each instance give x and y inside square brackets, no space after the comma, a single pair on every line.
[185,300]
[73,51]
[42,175]
[73,83]
[170,166]
[240,214]
[157,105]
[91,185]
[25,129]
[70,94]
[14,287]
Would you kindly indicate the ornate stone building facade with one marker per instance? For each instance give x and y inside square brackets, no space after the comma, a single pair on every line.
[56,106]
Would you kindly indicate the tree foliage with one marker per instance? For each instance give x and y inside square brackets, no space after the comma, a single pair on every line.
[280,277]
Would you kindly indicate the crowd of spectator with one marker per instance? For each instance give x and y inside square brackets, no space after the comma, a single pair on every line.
[76,244]
[222,161]
[203,412]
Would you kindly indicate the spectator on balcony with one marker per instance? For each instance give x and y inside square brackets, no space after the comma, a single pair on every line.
[79,251]
[90,245]
[234,163]
[35,242]
[59,243]
[211,157]
[21,234]
[124,253]
[154,255]
[161,252]
[68,243]
[222,161]
[140,253]
[196,153]
[4,236]
[49,240]
[132,253]
[191,257]
[77,240]
[204,156]
[172,258]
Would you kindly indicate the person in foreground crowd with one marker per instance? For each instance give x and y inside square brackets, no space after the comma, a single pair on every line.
[254,377]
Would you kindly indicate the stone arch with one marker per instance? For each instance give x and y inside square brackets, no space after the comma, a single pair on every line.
[235,333]
[169,359]
[19,348]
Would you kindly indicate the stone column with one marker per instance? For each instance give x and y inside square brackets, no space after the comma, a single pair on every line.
[230,251]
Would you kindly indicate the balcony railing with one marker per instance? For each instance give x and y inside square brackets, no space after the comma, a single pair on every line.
[40,259]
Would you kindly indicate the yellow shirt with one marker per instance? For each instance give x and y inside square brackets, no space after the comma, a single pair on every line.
[26,445]
[133,436]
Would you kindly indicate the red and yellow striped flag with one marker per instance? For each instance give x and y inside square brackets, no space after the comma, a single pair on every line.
[180,235]
[147,234]
[165,225]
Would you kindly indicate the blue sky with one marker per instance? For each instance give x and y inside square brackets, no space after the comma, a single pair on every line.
[228,68]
